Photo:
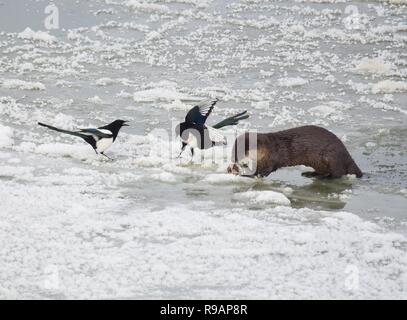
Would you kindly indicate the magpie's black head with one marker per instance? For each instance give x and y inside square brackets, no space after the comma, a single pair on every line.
[115,126]
[118,124]
[122,123]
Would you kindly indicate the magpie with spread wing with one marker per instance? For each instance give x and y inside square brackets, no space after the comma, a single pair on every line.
[99,138]
[196,134]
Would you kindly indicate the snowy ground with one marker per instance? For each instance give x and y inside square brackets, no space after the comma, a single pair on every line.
[74,225]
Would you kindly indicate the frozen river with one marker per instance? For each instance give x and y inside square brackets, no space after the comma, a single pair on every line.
[74,225]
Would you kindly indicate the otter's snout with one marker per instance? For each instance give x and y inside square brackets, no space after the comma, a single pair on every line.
[233,169]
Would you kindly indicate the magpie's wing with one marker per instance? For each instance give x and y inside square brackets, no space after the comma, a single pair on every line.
[216,135]
[200,112]
[98,133]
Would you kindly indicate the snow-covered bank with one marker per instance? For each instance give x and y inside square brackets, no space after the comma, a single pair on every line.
[85,243]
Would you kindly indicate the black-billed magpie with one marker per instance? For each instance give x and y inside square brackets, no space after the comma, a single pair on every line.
[196,134]
[99,138]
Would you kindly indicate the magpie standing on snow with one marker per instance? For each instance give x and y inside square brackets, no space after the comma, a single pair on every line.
[196,134]
[99,138]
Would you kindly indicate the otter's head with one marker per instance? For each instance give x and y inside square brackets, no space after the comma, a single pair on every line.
[245,166]
[233,169]
[244,156]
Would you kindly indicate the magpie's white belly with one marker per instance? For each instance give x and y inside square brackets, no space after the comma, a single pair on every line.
[192,141]
[103,144]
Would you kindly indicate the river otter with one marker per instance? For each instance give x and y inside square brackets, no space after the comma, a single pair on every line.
[259,154]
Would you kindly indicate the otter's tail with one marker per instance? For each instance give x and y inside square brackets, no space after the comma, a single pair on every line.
[231,121]
[354,169]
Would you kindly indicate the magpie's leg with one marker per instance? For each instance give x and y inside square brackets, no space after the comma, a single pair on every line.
[182,149]
[107,156]
[192,154]
[96,151]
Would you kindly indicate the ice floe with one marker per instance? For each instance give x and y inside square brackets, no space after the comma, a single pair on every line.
[373,65]
[292,82]
[36,35]
[6,136]
[389,86]
[21,84]
[262,197]
[162,91]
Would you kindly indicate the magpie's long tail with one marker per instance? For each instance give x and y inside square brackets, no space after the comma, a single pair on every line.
[73,133]
[231,121]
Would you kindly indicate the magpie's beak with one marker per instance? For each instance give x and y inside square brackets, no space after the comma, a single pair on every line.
[125,124]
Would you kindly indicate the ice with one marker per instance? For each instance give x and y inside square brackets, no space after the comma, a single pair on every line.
[164,177]
[96,100]
[36,36]
[6,136]
[162,91]
[324,111]
[292,82]
[263,197]
[139,250]
[21,84]
[376,66]
[226,179]
[146,6]
[65,150]
[389,86]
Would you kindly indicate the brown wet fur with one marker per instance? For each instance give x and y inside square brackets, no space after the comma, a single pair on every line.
[311,146]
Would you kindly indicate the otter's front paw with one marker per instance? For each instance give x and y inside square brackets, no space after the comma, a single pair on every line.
[233,169]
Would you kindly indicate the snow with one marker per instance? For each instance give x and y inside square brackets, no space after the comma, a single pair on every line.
[153,35]
[146,6]
[104,81]
[263,197]
[96,100]
[162,91]
[26,66]
[292,82]
[78,151]
[323,111]
[62,120]
[6,136]
[396,1]
[164,177]
[140,249]
[158,94]
[36,36]
[373,65]
[225,178]
[389,86]
[21,84]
